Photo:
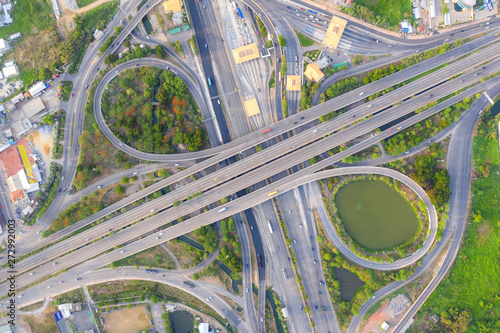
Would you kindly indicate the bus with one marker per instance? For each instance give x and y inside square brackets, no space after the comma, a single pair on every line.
[270,228]
[279,76]
[221,210]
[272,193]
[266,130]
[209,81]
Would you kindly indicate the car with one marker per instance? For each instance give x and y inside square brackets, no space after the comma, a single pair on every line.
[301,118]
[62,178]
[361,93]
[302,307]
[293,147]
[295,123]
[72,94]
[206,46]
[315,262]
[86,86]
[390,129]
[147,6]
[406,153]
[100,186]
[78,279]
[290,211]
[207,299]
[32,273]
[87,239]
[483,68]
[390,45]
[476,74]
[117,72]
[158,237]
[322,283]
[147,37]
[97,69]
[251,227]
[323,308]
[61,281]
[354,116]
[301,226]
[60,190]
[247,289]
[295,241]
[319,292]
[135,173]
[48,287]
[152,210]
[399,128]
[20,296]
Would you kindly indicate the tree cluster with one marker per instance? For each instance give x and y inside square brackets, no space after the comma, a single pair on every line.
[435,181]
[207,236]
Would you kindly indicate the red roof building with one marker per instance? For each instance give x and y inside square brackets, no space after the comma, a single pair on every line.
[420,28]
[11,159]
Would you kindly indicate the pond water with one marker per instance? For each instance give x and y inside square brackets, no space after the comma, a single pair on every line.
[349,283]
[375,214]
[182,321]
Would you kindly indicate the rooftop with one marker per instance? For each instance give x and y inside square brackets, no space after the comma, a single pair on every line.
[245,53]
[313,73]
[172,6]
[293,82]
[33,107]
[12,160]
[251,107]
[334,32]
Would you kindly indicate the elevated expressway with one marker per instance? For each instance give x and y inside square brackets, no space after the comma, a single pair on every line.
[244,181]
[144,210]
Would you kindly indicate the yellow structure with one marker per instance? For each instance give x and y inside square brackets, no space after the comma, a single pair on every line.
[334,32]
[251,107]
[245,53]
[313,73]
[173,6]
[27,166]
[293,82]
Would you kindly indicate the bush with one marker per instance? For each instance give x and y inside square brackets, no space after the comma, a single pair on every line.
[119,189]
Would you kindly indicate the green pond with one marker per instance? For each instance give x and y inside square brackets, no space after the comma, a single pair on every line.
[375,214]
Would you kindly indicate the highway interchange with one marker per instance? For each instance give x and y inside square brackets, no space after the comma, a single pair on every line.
[254,168]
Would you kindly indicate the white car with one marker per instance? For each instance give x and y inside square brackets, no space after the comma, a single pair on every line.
[152,210]
[135,173]
[48,287]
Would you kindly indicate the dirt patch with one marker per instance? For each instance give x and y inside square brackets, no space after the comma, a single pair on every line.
[43,142]
[482,232]
[42,323]
[67,14]
[43,44]
[127,320]
[390,312]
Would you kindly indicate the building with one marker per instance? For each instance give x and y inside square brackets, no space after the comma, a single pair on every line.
[173,6]
[461,5]
[98,34]
[18,98]
[245,53]
[203,327]
[6,329]
[10,71]
[15,36]
[293,82]
[6,19]
[6,139]
[334,32]
[313,73]
[33,107]
[385,326]
[37,88]
[21,171]
[4,45]
[251,107]
[22,127]
[65,309]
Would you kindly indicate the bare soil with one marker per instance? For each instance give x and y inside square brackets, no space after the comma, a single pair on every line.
[43,142]
[127,320]
[44,45]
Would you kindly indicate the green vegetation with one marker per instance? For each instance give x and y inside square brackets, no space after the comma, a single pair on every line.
[282,40]
[269,44]
[60,117]
[308,91]
[272,80]
[262,27]
[83,3]
[194,44]
[78,40]
[380,12]
[74,296]
[160,52]
[128,109]
[279,311]
[468,299]
[304,40]
[230,253]
[373,279]
[84,208]
[207,236]
[313,55]
[283,68]
[167,322]
[28,17]
[110,39]
[340,87]
[369,153]
[65,90]
[435,181]
[129,291]
[329,70]
[356,60]
[47,193]
[425,129]
[152,257]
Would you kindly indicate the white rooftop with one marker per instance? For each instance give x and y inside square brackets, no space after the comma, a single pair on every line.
[37,88]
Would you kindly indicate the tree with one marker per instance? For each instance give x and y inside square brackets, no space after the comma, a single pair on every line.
[45,74]
[223,200]
[125,180]
[282,40]
[48,119]
[160,52]
[119,189]
[164,173]
[128,165]
[111,59]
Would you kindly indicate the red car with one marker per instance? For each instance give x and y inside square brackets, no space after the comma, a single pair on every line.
[72,95]
[390,129]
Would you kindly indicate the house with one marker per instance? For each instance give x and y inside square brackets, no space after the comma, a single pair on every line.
[10,71]
[313,73]
[4,45]
[15,36]
[203,327]
[33,107]
[21,171]
[98,34]
[65,309]
[173,6]
[6,329]
[293,82]
[37,88]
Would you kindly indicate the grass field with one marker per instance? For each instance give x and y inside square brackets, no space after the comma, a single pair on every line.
[392,10]
[83,3]
[127,320]
[29,18]
[152,257]
[304,40]
[44,323]
[474,281]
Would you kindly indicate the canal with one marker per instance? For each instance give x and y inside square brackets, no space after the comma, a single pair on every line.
[375,214]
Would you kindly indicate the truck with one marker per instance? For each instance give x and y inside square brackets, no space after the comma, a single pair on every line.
[221,210]
[270,227]
[258,261]
[239,11]
[284,273]
[266,130]
[209,81]
[190,285]
[272,193]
